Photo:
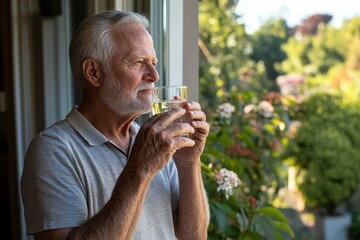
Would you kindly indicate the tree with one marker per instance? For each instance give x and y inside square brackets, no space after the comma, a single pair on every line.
[310,25]
[313,54]
[224,52]
[266,45]
[330,59]
[326,150]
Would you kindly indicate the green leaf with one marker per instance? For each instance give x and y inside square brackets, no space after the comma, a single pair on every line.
[276,121]
[247,139]
[250,130]
[278,235]
[205,168]
[242,220]
[226,140]
[221,213]
[272,212]
[250,235]
[215,152]
[285,227]
[269,128]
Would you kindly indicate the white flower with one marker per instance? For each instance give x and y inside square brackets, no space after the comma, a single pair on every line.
[249,108]
[226,110]
[265,109]
[227,180]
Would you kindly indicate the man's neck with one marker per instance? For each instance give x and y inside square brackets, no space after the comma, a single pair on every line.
[111,124]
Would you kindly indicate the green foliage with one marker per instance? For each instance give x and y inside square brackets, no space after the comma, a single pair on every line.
[314,54]
[247,135]
[326,148]
[266,46]
[224,52]
[249,142]
[326,145]
[330,60]
[354,229]
[239,69]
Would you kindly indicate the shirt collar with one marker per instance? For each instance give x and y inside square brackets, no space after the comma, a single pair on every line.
[88,131]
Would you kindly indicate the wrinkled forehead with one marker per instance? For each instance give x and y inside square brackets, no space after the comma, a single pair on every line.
[130,37]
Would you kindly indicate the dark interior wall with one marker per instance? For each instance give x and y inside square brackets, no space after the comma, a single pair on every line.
[79,11]
[142,6]
[9,214]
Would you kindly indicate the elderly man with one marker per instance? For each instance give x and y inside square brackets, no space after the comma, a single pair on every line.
[97,174]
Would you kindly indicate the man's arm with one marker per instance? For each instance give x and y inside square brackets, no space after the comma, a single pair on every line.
[154,145]
[54,234]
[116,220]
[192,218]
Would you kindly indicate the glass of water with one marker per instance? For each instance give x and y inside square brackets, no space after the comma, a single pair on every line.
[165,98]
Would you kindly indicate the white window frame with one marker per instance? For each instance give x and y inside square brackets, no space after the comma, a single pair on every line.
[182,37]
[177,20]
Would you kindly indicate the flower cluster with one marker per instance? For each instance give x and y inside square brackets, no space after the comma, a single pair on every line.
[265,108]
[226,110]
[227,180]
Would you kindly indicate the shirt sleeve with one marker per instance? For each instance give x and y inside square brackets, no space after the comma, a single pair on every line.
[52,191]
[174,184]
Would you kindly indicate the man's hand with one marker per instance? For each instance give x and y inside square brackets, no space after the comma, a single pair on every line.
[197,120]
[159,138]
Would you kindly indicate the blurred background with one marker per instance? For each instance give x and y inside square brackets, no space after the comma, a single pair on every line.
[279,81]
[281,84]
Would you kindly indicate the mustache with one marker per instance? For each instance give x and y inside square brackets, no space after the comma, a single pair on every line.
[145,86]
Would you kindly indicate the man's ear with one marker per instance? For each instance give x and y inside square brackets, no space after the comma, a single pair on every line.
[91,69]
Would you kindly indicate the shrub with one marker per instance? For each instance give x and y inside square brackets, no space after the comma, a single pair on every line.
[245,142]
[354,228]
[326,149]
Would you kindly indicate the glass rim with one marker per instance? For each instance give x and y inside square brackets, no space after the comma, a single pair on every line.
[171,86]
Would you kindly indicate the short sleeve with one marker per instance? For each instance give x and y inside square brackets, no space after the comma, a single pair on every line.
[174,184]
[51,187]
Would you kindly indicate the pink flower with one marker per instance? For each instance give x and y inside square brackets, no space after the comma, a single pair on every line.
[226,110]
[249,108]
[227,180]
[266,109]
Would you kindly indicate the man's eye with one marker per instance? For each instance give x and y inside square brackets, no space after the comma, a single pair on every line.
[141,63]
[137,64]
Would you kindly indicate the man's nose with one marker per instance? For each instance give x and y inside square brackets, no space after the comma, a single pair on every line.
[153,75]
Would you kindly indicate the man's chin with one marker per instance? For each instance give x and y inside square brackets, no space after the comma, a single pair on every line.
[144,109]
[147,110]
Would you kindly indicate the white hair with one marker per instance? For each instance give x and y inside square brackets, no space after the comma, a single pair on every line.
[93,39]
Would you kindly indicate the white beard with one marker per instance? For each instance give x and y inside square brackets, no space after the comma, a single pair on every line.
[116,96]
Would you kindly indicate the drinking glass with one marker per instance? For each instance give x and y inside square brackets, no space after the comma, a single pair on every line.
[168,97]
[165,98]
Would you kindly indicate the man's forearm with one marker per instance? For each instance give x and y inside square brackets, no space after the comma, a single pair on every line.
[117,220]
[193,214]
